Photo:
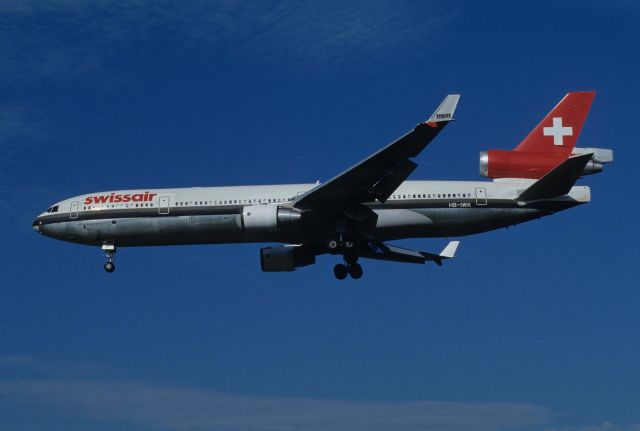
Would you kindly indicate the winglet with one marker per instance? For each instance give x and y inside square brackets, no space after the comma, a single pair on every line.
[450,250]
[447,253]
[445,110]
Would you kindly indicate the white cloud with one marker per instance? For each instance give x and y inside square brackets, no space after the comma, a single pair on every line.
[67,389]
[180,408]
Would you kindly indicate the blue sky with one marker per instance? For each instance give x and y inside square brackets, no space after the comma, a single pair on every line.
[530,328]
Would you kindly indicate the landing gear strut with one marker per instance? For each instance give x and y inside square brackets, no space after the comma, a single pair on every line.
[346,247]
[109,251]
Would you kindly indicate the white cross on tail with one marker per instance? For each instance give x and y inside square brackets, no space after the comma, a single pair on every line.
[557,131]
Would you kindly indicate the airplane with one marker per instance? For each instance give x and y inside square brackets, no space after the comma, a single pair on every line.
[354,214]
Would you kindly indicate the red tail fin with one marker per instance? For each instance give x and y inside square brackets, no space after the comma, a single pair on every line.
[558,132]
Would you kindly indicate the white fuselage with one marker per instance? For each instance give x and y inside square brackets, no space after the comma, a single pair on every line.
[263,213]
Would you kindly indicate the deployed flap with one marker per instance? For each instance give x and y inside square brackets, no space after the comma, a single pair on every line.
[376,177]
[389,252]
[557,182]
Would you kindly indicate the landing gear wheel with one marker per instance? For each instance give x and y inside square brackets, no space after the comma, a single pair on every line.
[349,244]
[109,251]
[332,245]
[340,271]
[355,271]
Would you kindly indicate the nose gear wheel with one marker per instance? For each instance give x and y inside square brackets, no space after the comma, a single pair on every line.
[109,252]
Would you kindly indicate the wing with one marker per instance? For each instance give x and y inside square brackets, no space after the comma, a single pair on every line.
[376,177]
[393,253]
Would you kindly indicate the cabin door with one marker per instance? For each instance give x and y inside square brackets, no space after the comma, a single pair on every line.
[163,206]
[481,196]
[73,214]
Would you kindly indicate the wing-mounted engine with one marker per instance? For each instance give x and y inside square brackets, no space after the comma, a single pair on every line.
[268,218]
[285,258]
[534,165]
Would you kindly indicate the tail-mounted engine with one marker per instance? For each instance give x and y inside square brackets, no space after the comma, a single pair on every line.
[528,164]
[268,218]
[285,258]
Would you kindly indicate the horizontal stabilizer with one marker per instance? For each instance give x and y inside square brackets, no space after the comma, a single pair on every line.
[557,182]
[381,251]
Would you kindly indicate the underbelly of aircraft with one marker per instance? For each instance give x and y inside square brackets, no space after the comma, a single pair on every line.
[228,228]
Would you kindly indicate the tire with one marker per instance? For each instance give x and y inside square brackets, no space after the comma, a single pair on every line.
[109,267]
[340,271]
[332,244]
[349,244]
[355,271]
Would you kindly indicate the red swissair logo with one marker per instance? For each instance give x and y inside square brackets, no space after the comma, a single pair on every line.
[118,197]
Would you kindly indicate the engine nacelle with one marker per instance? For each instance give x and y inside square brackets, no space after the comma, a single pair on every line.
[284,258]
[517,164]
[534,165]
[268,218]
[600,155]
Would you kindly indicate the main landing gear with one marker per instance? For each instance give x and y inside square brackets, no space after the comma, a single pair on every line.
[341,271]
[109,251]
[350,266]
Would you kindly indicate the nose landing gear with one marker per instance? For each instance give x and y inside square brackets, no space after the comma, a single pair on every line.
[109,250]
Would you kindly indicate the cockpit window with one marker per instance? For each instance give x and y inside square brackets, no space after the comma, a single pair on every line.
[53,209]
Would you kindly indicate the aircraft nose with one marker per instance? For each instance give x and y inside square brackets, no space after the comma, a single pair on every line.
[36,225]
